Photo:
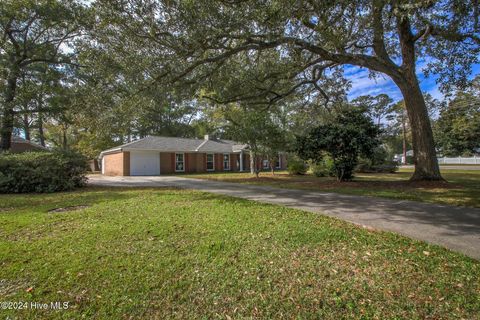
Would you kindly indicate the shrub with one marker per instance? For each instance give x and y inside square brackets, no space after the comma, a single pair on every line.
[366,166]
[387,167]
[322,168]
[348,134]
[296,166]
[41,172]
[378,156]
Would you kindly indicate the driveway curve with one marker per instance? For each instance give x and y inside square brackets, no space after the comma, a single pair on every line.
[456,228]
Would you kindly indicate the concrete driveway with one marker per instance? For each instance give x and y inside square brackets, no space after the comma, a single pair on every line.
[450,167]
[456,228]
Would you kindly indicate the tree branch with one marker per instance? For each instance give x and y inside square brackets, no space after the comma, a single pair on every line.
[378,33]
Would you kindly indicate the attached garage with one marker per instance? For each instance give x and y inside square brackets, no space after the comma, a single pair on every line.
[116,163]
[144,163]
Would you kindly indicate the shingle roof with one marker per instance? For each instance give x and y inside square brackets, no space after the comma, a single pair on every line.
[17,139]
[220,146]
[172,144]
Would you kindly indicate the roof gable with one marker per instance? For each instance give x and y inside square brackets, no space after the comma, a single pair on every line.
[20,140]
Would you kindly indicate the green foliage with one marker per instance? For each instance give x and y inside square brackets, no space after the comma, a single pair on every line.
[265,52]
[259,129]
[365,166]
[378,106]
[296,166]
[457,130]
[377,162]
[323,168]
[41,172]
[349,134]
[36,35]
[409,160]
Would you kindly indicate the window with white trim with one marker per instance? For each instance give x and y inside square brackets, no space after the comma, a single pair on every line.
[210,162]
[179,162]
[278,163]
[226,161]
[265,164]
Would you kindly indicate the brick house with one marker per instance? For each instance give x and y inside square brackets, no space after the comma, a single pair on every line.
[19,144]
[153,156]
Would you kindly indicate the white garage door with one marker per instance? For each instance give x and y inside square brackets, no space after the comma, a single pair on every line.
[144,163]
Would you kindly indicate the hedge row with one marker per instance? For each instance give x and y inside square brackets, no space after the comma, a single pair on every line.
[41,172]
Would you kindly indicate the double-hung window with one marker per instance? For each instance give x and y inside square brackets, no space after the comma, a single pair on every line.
[226,161]
[265,164]
[210,162]
[179,162]
[278,163]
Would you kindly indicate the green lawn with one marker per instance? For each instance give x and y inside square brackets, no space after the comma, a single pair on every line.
[462,188]
[165,253]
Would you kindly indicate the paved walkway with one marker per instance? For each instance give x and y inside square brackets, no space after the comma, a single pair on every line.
[456,228]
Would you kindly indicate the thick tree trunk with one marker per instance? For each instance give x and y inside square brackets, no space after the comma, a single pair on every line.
[252,162]
[424,154]
[8,113]
[404,143]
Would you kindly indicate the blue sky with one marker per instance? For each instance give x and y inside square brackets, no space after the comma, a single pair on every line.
[362,85]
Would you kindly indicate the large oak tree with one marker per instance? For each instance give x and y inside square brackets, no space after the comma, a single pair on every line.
[33,32]
[194,39]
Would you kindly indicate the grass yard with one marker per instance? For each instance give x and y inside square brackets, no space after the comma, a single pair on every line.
[462,188]
[165,253]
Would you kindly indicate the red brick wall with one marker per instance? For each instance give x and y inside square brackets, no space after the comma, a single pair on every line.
[166,164]
[186,165]
[17,147]
[218,162]
[117,164]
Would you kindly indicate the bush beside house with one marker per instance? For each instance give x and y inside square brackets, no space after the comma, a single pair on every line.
[322,168]
[377,162]
[41,172]
[296,166]
[346,136]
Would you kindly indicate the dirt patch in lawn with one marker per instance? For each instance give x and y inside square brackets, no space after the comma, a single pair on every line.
[69,208]
[10,287]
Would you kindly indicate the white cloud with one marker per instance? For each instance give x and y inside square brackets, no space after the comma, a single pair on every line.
[363,85]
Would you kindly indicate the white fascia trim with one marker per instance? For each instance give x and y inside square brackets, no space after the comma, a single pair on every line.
[120,147]
[177,151]
[109,152]
[201,144]
[157,150]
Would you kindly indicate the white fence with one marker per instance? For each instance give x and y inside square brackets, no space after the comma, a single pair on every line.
[459,160]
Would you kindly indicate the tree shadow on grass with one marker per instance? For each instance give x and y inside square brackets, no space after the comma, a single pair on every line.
[89,195]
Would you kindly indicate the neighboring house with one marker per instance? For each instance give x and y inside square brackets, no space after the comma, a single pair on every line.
[153,156]
[19,145]
[399,157]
